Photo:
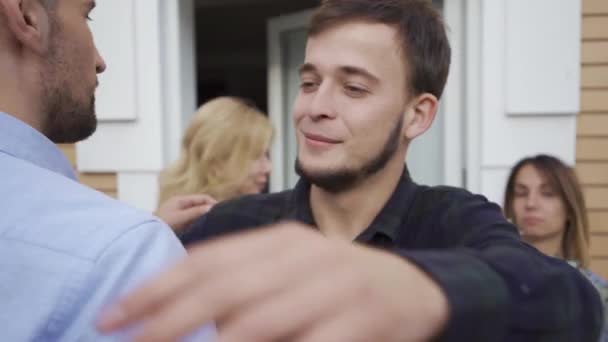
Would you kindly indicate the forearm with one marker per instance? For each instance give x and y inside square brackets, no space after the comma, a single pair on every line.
[511,292]
[475,294]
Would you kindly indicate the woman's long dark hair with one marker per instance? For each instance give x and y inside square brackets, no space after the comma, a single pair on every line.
[575,243]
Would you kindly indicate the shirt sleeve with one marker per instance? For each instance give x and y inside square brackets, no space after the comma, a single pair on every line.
[499,288]
[133,257]
[601,286]
[196,232]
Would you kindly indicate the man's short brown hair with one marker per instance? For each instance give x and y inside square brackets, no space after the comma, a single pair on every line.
[421,30]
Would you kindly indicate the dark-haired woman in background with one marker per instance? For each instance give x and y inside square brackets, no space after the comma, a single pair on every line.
[544,199]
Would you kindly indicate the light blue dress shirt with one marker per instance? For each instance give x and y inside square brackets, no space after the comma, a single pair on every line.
[66,251]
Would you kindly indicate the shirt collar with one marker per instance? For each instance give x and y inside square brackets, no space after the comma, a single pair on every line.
[299,208]
[384,229]
[24,142]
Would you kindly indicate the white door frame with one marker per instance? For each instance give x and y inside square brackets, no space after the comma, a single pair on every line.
[455,142]
[471,80]
[276,93]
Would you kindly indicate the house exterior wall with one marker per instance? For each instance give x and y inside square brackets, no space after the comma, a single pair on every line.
[145,96]
[592,129]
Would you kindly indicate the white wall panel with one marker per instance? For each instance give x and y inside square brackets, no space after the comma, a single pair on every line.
[507,138]
[542,56]
[133,145]
[147,95]
[493,183]
[115,35]
[139,189]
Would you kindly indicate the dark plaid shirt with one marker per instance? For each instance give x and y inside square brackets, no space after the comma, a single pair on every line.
[498,288]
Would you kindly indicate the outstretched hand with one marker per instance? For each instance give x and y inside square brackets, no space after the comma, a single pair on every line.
[287,282]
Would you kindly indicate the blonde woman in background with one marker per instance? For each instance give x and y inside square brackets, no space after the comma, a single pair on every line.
[224,155]
[544,199]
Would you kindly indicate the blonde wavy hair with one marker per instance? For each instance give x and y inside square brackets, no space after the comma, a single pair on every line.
[226,135]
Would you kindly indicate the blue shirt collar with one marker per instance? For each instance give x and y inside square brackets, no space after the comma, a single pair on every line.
[24,142]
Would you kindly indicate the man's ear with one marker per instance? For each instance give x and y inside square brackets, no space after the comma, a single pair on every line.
[420,115]
[28,23]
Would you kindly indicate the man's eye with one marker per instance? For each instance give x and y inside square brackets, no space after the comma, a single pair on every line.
[307,86]
[355,91]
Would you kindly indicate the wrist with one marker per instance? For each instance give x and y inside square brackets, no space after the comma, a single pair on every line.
[425,303]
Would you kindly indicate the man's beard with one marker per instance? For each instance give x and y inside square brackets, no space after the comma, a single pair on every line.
[67,119]
[342,180]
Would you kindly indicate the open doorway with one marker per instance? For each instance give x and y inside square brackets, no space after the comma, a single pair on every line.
[231,46]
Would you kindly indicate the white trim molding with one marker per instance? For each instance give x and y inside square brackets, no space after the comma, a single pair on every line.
[276,92]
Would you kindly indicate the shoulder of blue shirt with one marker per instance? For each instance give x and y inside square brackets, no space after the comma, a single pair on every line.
[61,214]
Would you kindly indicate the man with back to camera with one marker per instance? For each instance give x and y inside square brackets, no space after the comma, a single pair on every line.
[65,250]
[426,263]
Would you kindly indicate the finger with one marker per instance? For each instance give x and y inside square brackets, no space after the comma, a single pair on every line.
[205,260]
[303,306]
[196,200]
[355,325]
[226,294]
[147,298]
[185,217]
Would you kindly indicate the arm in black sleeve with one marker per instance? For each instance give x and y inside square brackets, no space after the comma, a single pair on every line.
[230,217]
[499,288]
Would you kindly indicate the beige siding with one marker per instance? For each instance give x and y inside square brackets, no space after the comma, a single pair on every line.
[596,197]
[592,141]
[595,76]
[595,7]
[594,100]
[104,182]
[598,221]
[594,174]
[592,149]
[594,27]
[595,52]
[593,125]
[599,248]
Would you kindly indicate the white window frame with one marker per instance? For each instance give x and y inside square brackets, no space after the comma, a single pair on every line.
[276,93]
